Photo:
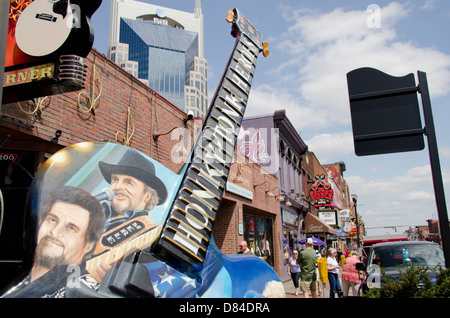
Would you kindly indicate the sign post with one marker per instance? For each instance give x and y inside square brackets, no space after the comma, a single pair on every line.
[435,166]
[386,119]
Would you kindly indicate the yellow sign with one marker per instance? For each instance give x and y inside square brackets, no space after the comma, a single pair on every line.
[29,74]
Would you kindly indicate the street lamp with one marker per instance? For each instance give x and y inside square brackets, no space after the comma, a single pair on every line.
[355,199]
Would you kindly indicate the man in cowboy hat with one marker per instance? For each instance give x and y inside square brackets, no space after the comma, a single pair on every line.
[136,187]
[137,190]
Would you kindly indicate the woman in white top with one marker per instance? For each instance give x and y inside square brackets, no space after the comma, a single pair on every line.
[333,273]
[294,270]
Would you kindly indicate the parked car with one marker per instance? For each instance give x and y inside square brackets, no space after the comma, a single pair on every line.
[395,256]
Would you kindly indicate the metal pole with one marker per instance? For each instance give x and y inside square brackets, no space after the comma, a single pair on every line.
[4,21]
[357,225]
[435,167]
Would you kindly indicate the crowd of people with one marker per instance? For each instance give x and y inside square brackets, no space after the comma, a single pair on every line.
[312,270]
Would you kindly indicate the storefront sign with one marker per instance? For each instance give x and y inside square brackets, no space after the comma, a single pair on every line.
[321,192]
[313,228]
[314,225]
[328,217]
[233,188]
[8,157]
[345,222]
[40,34]
[52,76]
[290,218]
[29,74]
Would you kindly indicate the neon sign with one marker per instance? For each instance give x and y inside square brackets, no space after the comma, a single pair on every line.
[321,192]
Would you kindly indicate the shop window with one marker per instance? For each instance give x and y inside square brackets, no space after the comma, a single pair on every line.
[258,233]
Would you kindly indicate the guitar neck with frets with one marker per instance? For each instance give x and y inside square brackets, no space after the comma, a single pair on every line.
[135,234]
[188,228]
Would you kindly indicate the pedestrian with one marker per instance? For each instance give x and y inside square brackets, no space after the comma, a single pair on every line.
[243,249]
[338,257]
[318,256]
[333,273]
[342,259]
[350,276]
[294,270]
[308,275]
[323,272]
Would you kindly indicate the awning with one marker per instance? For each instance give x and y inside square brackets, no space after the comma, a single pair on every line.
[313,225]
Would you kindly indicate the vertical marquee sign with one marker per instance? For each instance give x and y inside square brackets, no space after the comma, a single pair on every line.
[321,192]
[187,231]
[46,46]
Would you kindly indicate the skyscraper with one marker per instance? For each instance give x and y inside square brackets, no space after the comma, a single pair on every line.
[167,46]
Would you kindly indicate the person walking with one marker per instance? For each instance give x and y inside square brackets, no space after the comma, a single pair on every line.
[308,276]
[350,276]
[243,249]
[323,272]
[294,270]
[333,273]
[342,257]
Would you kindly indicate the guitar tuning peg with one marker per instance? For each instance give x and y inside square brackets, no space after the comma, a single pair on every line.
[230,16]
[265,46]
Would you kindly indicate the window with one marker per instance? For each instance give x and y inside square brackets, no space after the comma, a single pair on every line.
[258,233]
[421,255]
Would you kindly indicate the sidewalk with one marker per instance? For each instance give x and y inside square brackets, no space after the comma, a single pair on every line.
[290,290]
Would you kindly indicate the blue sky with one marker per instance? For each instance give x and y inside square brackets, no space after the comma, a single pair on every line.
[313,45]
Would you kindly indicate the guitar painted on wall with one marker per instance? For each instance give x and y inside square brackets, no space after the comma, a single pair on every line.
[56,27]
[165,249]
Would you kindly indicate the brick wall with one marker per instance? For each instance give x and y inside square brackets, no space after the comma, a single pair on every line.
[232,208]
[122,103]
[225,231]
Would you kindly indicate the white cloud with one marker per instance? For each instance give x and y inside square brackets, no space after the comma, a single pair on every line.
[444,152]
[326,146]
[265,99]
[428,5]
[399,200]
[323,47]
[413,180]
[418,195]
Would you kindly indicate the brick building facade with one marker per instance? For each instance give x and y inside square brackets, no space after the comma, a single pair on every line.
[248,212]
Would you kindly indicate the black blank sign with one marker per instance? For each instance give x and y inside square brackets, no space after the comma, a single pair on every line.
[385,112]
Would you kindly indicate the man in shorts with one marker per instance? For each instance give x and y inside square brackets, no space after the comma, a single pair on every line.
[308,262]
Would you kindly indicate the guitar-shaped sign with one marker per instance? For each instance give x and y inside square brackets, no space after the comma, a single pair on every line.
[49,27]
[114,222]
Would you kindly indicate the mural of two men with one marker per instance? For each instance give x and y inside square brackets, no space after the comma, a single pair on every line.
[72,223]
